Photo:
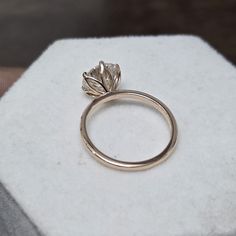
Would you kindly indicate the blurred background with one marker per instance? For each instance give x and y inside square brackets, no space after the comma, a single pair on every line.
[27,27]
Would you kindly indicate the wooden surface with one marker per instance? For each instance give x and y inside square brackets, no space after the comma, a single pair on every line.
[8,76]
[28,27]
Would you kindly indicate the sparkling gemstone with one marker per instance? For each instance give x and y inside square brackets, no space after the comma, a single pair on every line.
[101,79]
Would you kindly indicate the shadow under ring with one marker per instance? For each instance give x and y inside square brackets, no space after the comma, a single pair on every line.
[142,98]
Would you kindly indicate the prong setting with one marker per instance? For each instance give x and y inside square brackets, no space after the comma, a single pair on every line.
[101,79]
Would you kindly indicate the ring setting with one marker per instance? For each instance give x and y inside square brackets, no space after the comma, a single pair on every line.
[101,83]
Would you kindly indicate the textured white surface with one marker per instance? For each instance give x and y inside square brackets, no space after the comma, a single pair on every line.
[66,192]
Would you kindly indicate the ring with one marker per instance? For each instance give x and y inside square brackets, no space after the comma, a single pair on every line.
[101,82]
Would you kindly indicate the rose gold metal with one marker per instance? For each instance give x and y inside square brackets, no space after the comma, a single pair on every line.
[104,91]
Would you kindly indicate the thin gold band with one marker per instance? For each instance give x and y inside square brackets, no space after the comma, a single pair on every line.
[143,98]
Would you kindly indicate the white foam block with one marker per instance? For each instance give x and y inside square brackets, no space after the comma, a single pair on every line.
[66,192]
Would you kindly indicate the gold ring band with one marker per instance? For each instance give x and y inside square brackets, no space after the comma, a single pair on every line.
[138,96]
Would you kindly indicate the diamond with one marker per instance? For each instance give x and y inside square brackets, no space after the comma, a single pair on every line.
[101,79]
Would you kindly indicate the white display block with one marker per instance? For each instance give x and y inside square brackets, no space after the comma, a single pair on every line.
[65,192]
